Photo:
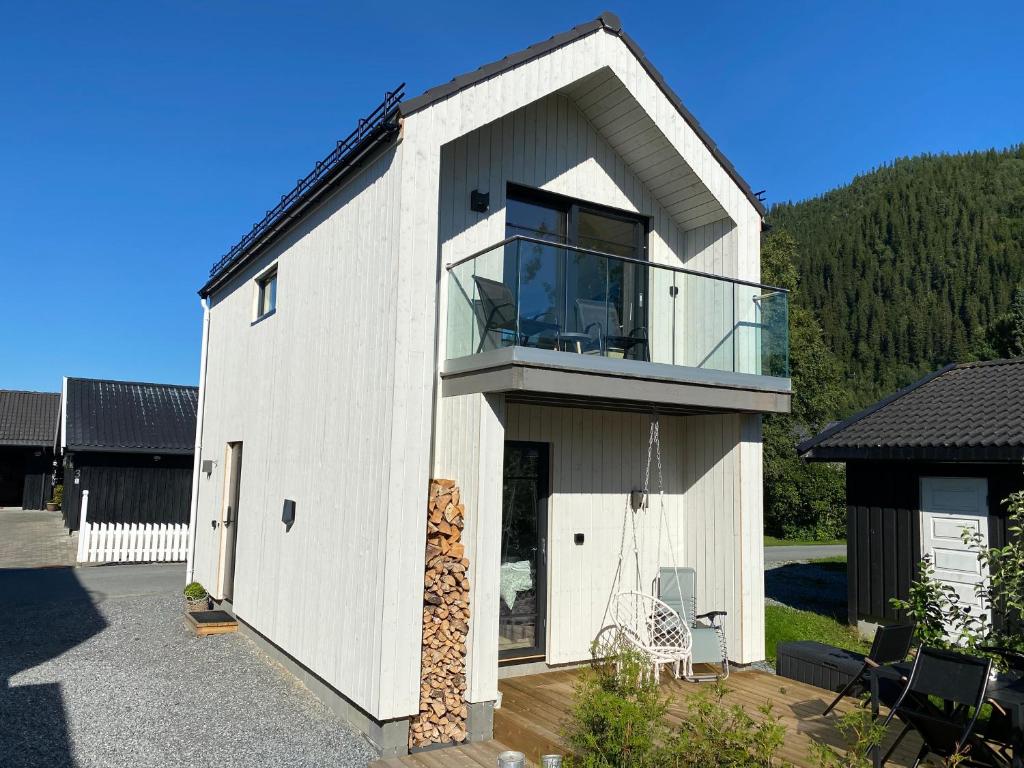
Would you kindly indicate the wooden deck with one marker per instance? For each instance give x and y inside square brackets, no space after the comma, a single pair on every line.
[534,707]
[482,754]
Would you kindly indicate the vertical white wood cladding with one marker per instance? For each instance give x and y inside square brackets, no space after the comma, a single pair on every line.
[470,449]
[597,457]
[515,128]
[550,144]
[310,393]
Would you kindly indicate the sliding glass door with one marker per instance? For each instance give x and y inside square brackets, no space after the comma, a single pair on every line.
[524,530]
[594,303]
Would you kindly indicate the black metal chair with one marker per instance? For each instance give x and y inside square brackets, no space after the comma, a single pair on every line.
[959,681]
[891,645]
[998,730]
[600,320]
[500,313]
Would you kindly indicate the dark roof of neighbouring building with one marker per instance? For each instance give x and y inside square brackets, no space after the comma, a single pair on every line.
[28,418]
[967,412]
[381,126]
[130,416]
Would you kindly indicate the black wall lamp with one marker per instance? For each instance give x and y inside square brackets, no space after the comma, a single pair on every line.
[479,201]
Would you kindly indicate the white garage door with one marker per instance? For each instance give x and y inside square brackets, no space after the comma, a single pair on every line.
[948,505]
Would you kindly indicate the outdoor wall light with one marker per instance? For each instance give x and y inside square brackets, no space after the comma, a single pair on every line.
[288,514]
[637,499]
[207,466]
[157,458]
[479,201]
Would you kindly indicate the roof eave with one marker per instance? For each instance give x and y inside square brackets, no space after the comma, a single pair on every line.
[134,450]
[610,23]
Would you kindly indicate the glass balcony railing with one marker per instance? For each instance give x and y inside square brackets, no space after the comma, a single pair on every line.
[534,293]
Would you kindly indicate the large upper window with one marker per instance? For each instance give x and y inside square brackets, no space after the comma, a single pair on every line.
[266,298]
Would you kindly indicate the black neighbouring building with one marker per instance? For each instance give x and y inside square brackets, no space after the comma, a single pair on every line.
[28,426]
[945,451]
[130,445]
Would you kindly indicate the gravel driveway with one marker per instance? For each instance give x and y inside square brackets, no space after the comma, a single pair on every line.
[122,682]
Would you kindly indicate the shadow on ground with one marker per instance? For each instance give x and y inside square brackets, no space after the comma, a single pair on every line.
[817,587]
[34,719]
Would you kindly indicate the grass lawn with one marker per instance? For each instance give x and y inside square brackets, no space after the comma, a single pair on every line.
[783,624]
[771,541]
[831,563]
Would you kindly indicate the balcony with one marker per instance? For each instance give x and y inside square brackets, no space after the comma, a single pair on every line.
[547,322]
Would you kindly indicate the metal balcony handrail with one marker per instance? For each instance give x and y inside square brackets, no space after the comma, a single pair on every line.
[526,239]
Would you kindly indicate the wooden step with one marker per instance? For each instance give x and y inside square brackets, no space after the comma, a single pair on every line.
[211,622]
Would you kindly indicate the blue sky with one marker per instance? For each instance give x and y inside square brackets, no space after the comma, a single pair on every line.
[139,141]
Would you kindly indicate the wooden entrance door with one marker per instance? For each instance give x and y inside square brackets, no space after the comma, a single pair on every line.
[229,519]
[948,505]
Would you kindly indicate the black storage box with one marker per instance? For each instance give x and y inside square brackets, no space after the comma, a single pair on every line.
[824,666]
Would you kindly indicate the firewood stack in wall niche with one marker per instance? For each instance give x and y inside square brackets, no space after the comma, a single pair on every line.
[443,709]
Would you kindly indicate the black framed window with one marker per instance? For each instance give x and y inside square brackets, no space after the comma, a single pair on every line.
[266,297]
[583,294]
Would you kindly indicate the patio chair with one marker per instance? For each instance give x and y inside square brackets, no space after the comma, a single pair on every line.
[999,728]
[500,312]
[960,681]
[654,630]
[600,320]
[677,588]
[891,645]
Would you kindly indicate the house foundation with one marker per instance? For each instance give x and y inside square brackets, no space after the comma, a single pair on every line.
[389,737]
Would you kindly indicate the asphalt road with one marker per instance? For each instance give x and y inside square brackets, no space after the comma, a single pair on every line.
[44,586]
[810,552]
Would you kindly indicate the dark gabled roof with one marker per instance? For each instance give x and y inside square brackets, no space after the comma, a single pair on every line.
[28,418]
[967,412]
[130,416]
[609,22]
[379,128]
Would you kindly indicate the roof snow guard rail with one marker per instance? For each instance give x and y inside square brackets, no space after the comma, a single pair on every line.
[380,120]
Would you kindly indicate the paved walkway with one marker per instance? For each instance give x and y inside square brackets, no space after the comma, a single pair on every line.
[35,539]
[789,554]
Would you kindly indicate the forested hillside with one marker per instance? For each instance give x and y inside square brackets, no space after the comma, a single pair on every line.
[911,266]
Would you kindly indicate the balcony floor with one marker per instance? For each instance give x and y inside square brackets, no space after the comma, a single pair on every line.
[529,374]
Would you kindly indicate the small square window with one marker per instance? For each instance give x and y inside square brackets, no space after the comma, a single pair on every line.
[266,300]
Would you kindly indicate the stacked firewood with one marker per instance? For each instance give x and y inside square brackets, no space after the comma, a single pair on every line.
[442,717]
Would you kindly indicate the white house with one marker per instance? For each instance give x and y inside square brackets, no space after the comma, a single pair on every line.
[499,282]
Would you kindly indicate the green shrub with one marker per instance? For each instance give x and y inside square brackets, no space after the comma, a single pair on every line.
[929,604]
[195,591]
[717,734]
[861,731]
[618,720]
[58,494]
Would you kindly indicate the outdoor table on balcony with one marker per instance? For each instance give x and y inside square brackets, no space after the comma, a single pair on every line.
[569,341]
[1005,690]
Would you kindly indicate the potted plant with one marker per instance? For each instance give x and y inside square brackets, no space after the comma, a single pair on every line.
[196,597]
[58,497]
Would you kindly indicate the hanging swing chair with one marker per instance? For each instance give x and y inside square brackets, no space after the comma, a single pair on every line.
[663,628]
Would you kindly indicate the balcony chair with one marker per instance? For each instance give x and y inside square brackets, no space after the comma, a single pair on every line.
[600,320]
[499,312]
[677,588]
[891,645]
[960,681]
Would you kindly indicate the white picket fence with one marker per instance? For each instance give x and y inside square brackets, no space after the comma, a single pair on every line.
[129,542]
